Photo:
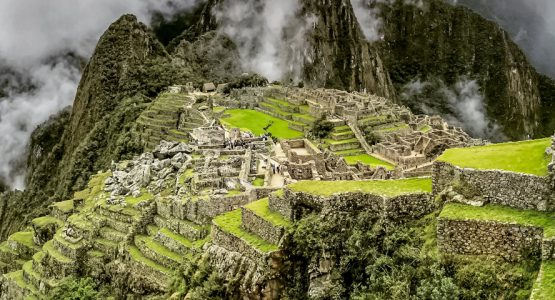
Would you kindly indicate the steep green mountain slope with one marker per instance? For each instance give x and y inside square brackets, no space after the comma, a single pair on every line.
[128,66]
[446,42]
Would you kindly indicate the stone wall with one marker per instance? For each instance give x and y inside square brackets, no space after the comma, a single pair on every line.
[475,237]
[410,206]
[236,244]
[516,190]
[259,226]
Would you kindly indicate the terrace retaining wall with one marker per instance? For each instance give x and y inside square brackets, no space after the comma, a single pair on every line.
[259,226]
[477,237]
[410,206]
[517,190]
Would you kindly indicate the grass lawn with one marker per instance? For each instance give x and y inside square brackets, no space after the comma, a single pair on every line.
[231,223]
[500,213]
[386,188]
[546,285]
[523,157]
[262,209]
[258,182]
[254,121]
[368,160]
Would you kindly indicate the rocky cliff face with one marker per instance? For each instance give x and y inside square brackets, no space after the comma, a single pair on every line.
[439,40]
[339,56]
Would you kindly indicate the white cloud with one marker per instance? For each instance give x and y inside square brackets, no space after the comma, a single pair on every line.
[32,33]
[270,35]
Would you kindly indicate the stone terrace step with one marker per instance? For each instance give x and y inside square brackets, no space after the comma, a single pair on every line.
[74,251]
[349,144]
[258,219]
[188,229]
[228,233]
[280,205]
[15,286]
[175,242]
[112,234]
[22,243]
[352,152]
[35,279]
[149,269]
[157,252]
[340,136]
[108,247]
[60,265]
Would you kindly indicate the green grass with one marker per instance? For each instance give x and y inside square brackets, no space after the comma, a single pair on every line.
[546,285]
[139,257]
[501,213]
[524,157]
[386,188]
[343,128]
[258,182]
[231,223]
[49,248]
[218,109]
[24,238]
[18,278]
[234,192]
[47,220]
[157,247]
[177,237]
[425,128]
[334,142]
[145,196]
[64,206]
[280,102]
[254,121]
[262,209]
[368,160]
[95,254]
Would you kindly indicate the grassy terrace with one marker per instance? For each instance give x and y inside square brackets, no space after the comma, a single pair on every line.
[24,238]
[386,188]
[139,257]
[254,121]
[524,157]
[46,220]
[231,223]
[546,285]
[368,160]
[262,209]
[456,211]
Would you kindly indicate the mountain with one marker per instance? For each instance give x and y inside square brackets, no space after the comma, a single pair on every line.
[526,23]
[449,43]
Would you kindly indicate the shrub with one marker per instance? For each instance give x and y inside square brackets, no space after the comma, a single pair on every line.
[321,128]
[77,289]
[246,80]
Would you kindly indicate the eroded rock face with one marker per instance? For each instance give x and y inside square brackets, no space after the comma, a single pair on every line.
[438,40]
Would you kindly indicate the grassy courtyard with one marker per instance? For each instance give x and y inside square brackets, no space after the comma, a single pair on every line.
[386,188]
[254,121]
[524,157]
[368,160]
